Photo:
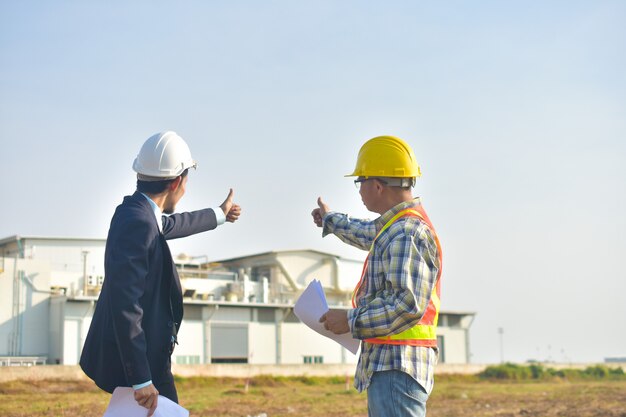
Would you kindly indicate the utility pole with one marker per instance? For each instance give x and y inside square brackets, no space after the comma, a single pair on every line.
[501,333]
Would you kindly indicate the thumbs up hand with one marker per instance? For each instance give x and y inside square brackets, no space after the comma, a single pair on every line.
[319,212]
[231,210]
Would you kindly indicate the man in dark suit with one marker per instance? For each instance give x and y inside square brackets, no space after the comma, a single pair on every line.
[139,311]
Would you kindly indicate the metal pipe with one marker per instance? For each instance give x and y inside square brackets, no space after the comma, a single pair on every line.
[206,330]
[288,277]
[85,253]
[15,310]
[468,354]
[30,282]
[335,273]
[20,247]
[279,333]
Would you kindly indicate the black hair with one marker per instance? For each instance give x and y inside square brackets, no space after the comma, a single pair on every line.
[156,187]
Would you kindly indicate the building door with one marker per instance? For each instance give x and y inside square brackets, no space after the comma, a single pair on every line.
[229,343]
[71,342]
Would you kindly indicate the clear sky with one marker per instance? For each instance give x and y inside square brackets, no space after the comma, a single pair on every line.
[516,111]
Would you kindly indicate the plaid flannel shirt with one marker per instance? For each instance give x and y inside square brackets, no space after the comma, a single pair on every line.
[400,277]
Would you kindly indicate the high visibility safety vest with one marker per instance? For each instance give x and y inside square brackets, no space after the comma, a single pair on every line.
[424,333]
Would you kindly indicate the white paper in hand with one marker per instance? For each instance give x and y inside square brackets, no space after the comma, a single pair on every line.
[123,404]
[311,306]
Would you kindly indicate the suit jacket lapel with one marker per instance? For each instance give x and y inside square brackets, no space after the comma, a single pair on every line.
[176,291]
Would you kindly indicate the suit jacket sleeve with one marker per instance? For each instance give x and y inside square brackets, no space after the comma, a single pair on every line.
[127,272]
[185,224]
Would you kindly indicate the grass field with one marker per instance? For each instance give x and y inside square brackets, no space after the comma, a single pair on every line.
[454,396]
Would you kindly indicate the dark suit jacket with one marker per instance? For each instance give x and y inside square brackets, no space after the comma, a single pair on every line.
[141,304]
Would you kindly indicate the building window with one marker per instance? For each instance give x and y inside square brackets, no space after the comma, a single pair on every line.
[257,273]
[291,317]
[188,360]
[266,315]
[229,360]
[454,320]
[313,359]
[442,349]
[95,280]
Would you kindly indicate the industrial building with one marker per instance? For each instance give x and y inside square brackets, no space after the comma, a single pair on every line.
[237,310]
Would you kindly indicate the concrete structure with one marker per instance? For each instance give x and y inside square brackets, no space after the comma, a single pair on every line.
[237,310]
[74,373]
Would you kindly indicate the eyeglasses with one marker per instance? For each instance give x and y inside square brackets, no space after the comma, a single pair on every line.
[358,181]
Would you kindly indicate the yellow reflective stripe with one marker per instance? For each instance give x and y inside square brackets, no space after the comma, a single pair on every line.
[392,220]
[419,332]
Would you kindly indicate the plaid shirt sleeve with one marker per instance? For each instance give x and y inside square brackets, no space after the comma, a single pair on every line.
[356,232]
[407,267]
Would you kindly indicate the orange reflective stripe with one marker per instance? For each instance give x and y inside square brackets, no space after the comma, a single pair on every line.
[358,285]
[413,342]
[431,314]
[424,333]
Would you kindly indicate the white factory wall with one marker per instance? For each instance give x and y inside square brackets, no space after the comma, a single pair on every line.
[24,286]
[454,345]
[262,345]
[190,348]
[35,322]
[298,341]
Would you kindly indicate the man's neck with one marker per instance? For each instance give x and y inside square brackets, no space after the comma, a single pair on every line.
[159,199]
[394,199]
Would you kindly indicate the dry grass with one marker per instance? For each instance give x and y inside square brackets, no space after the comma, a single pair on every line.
[309,397]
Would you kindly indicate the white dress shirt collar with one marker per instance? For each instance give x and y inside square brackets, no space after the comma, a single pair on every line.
[157,212]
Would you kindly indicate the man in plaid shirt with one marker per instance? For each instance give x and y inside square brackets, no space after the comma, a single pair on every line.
[396,302]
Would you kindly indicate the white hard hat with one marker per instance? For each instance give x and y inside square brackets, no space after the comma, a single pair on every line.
[163,156]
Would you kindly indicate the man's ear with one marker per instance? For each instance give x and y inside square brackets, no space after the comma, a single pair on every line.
[379,186]
[175,183]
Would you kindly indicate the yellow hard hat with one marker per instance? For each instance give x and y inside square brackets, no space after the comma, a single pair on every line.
[386,156]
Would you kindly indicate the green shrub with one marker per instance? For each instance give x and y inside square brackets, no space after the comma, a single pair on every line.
[507,371]
[597,372]
[510,371]
[537,371]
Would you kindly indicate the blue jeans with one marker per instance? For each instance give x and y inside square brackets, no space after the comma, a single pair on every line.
[395,394]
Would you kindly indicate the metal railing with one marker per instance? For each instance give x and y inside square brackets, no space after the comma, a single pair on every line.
[22,360]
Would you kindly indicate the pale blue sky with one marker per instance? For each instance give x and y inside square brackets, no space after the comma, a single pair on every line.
[516,112]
